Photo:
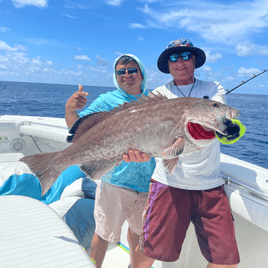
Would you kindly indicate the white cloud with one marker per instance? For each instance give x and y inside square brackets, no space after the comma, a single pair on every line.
[79,48]
[81,57]
[243,72]
[244,50]
[229,78]
[140,38]
[114,2]
[136,25]
[95,69]
[36,62]
[248,49]
[4,29]
[20,47]
[49,64]
[43,41]
[3,67]
[118,53]
[150,1]
[3,58]
[155,78]
[17,66]
[152,75]
[213,21]
[263,51]
[103,62]
[36,3]
[75,5]
[4,46]
[69,72]
[68,16]
[207,70]
[212,57]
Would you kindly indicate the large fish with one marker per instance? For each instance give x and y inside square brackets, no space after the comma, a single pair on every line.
[151,125]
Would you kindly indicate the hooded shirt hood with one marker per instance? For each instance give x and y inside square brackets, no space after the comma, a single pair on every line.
[144,75]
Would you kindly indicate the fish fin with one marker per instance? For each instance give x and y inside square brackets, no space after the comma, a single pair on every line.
[143,99]
[42,166]
[83,124]
[95,171]
[174,150]
[170,164]
[157,95]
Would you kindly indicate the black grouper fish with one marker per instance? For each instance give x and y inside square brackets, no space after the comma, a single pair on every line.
[152,124]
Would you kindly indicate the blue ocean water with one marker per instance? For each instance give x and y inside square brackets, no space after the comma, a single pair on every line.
[36,99]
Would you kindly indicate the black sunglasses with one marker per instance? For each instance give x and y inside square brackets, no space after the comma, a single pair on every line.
[131,70]
[183,55]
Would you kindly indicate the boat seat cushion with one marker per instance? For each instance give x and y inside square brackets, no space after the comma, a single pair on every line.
[17,179]
[72,196]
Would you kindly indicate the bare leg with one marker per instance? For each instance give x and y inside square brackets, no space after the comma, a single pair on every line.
[211,265]
[140,260]
[133,241]
[98,249]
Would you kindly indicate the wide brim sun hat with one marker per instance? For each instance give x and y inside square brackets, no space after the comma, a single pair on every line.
[180,45]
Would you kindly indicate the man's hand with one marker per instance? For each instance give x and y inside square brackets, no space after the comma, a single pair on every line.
[76,101]
[135,156]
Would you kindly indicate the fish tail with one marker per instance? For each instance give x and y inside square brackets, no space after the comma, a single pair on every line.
[44,168]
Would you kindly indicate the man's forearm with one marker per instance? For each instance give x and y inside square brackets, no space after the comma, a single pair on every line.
[70,118]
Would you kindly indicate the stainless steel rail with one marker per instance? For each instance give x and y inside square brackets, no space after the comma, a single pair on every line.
[252,191]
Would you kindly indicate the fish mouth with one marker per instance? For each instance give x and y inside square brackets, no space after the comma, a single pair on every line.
[197,132]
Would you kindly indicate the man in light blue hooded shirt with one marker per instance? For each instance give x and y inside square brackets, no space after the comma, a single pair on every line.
[123,192]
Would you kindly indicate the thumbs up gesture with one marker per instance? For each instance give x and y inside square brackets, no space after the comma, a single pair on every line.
[77,101]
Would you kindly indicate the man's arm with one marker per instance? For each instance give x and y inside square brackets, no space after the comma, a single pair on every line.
[70,118]
[76,101]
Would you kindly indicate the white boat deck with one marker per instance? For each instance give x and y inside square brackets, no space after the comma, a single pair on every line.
[32,235]
[115,257]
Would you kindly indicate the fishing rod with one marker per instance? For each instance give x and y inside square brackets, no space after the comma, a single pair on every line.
[243,82]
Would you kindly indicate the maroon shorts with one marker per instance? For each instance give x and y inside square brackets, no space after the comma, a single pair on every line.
[167,217]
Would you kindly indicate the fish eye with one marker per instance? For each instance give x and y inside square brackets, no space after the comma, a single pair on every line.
[215,104]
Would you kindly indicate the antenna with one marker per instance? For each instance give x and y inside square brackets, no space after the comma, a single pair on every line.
[243,82]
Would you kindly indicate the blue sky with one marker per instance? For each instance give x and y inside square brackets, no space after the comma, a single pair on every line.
[76,42]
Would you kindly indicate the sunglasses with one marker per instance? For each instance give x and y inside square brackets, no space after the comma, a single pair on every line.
[184,55]
[131,70]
